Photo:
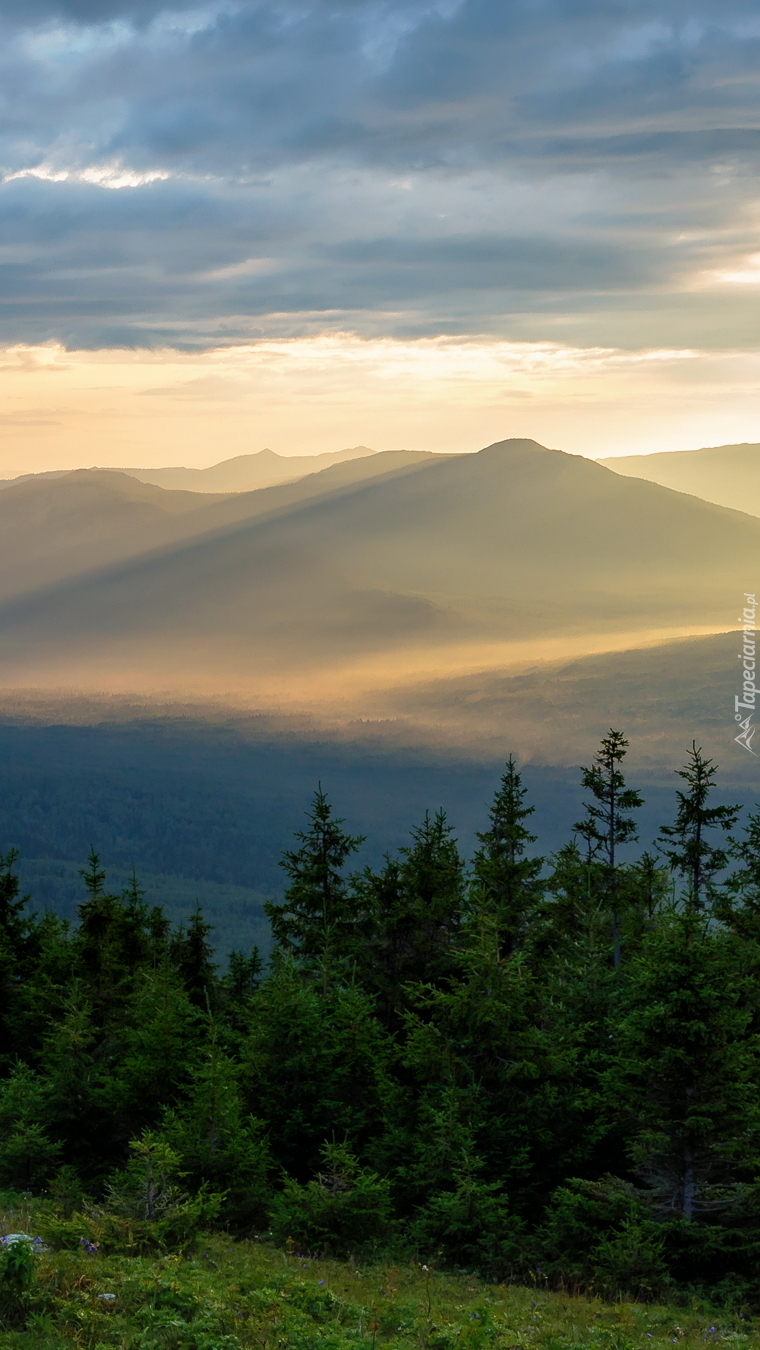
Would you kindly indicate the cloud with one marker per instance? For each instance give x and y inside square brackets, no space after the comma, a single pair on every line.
[197,173]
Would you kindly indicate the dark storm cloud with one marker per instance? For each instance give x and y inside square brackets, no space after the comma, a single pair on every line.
[440,161]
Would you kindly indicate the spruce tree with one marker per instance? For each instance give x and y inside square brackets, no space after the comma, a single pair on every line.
[316,918]
[14,924]
[507,884]
[217,1142]
[112,943]
[411,917]
[18,948]
[686,1067]
[606,824]
[685,843]
[193,956]
[738,904]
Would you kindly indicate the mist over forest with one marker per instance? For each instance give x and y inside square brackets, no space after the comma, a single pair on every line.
[381,868]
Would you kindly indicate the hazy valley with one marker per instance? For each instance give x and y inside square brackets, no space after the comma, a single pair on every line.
[365,617]
[369,574]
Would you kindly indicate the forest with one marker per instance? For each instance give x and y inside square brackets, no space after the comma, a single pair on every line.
[536,1069]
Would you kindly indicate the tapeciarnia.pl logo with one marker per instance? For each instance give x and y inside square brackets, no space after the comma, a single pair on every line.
[746,700]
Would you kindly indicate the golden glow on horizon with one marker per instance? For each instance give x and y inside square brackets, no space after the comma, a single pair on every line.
[343,685]
[64,409]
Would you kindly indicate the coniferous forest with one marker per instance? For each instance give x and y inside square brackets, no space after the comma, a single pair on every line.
[538,1069]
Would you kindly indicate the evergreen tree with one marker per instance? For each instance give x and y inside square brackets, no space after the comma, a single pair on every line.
[739,903]
[460,1064]
[216,1142]
[507,884]
[685,843]
[606,825]
[316,918]
[79,1082]
[17,944]
[158,1051]
[314,1064]
[192,955]
[569,956]
[28,1155]
[111,943]
[493,1082]
[241,981]
[686,1067]
[410,917]
[15,925]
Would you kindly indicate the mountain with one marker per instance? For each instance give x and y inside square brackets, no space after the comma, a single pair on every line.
[726,474]
[459,563]
[25,477]
[54,528]
[51,529]
[246,472]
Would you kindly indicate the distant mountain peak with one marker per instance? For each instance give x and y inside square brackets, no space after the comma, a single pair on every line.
[519,444]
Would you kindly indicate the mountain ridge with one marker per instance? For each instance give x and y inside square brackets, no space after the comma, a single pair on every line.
[244,473]
[513,541]
[86,519]
[727,475]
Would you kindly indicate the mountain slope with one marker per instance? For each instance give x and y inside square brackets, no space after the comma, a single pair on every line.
[51,529]
[55,528]
[244,473]
[662,695]
[728,475]
[512,543]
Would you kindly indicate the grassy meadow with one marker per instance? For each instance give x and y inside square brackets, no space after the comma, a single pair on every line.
[244,1295]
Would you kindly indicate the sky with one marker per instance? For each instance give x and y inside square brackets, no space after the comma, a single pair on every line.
[422,224]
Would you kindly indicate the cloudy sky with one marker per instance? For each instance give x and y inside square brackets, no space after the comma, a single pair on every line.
[421,223]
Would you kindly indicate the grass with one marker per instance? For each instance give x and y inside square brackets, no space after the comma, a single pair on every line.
[247,1296]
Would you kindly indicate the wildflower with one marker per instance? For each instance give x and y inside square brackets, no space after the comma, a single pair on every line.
[321,1283]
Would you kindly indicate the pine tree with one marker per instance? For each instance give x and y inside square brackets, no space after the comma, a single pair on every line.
[507,886]
[97,944]
[685,843]
[606,824]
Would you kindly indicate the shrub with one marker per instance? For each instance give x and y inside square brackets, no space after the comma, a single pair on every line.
[471,1226]
[144,1209]
[346,1208]
[600,1235]
[16,1276]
